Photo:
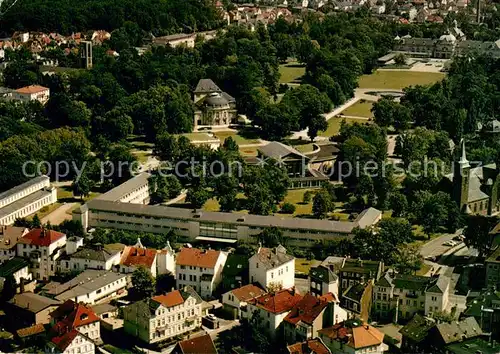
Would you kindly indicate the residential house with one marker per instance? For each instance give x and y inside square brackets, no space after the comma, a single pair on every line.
[406,295]
[311,346]
[9,235]
[76,316]
[354,271]
[69,343]
[272,268]
[492,265]
[165,316]
[323,280]
[201,344]
[43,247]
[157,262]
[214,107]
[486,310]
[425,335]
[91,257]
[353,337]
[27,309]
[16,267]
[357,300]
[91,287]
[32,93]
[105,310]
[272,308]
[235,272]
[201,269]
[235,301]
[307,317]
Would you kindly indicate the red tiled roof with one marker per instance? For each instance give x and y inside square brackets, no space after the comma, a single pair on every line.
[306,310]
[41,237]
[137,256]
[71,316]
[170,299]
[64,341]
[198,258]
[198,345]
[329,297]
[279,302]
[31,331]
[32,88]
[312,346]
[247,292]
[356,335]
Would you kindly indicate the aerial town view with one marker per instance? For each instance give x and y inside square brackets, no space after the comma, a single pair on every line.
[231,177]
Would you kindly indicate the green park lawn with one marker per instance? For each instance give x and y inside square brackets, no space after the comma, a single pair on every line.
[303,265]
[397,80]
[291,72]
[198,136]
[359,109]
[239,139]
[334,125]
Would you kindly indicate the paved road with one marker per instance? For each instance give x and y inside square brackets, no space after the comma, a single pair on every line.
[302,285]
[59,215]
[435,246]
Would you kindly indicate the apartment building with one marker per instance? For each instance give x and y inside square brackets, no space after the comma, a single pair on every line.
[272,308]
[156,261]
[25,199]
[235,301]
[323,280]
[70,343]
[76,316]
[43,247]
[91,257]
[32,93]
[405,295]
[90,287]
[9,235]
[272,268]
[165,316]
[200,269]
[358,271]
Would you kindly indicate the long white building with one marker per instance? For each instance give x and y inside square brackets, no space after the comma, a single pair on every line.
[26,199]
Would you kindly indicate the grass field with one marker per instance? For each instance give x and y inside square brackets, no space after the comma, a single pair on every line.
[359,109]
[304,147]
[291,72]
[303,265]
[198,136]
[240,140]
[334,125]
[424,269]
[249,151]
[295,197]
[397,80]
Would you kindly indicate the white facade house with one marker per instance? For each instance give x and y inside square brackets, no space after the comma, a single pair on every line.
[16,267]
[90,287]
[71,343]
[32,93]
[158,262]
[26,199]
[410,294]
[235,301]
[96,257]
[272,308]
[77,316]
[165,316]
[323,280]
[200,269]
[43,247]
[353,337]
[9,235]
[272,268]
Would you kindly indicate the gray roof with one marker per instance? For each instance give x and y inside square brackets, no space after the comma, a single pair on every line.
[33,302]
[476,179]
[216,100]
[103,308]
[273,257]
[277,150]
[338,262]
[161,211]
[228,97]
[13,265]
[92,254]
[368,217]
[85,282]
[323,274]
[120,191]
[22,186]
[206,86]
[458,331]
[415,282]
[439,285]
[384,281]
[355,292]
[18,204]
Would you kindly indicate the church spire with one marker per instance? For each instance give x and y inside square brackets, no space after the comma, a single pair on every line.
[463,159]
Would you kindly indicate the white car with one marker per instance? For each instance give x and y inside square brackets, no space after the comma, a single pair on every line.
[449,243]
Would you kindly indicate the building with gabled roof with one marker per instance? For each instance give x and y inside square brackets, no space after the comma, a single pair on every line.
[16,267]
[9,236]
[236,300]
[273,308]
[201,344]
[76,316]
[156,261]
[311,346]
[32,93]
[486,310]
[201,269]
[89,257]
[415,332]
[323,280]
[272,268]
[27,309]
[69,343]
[353,336]
[163,317]
[359,271]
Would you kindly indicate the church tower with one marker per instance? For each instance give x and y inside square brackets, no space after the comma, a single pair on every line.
[461,172]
